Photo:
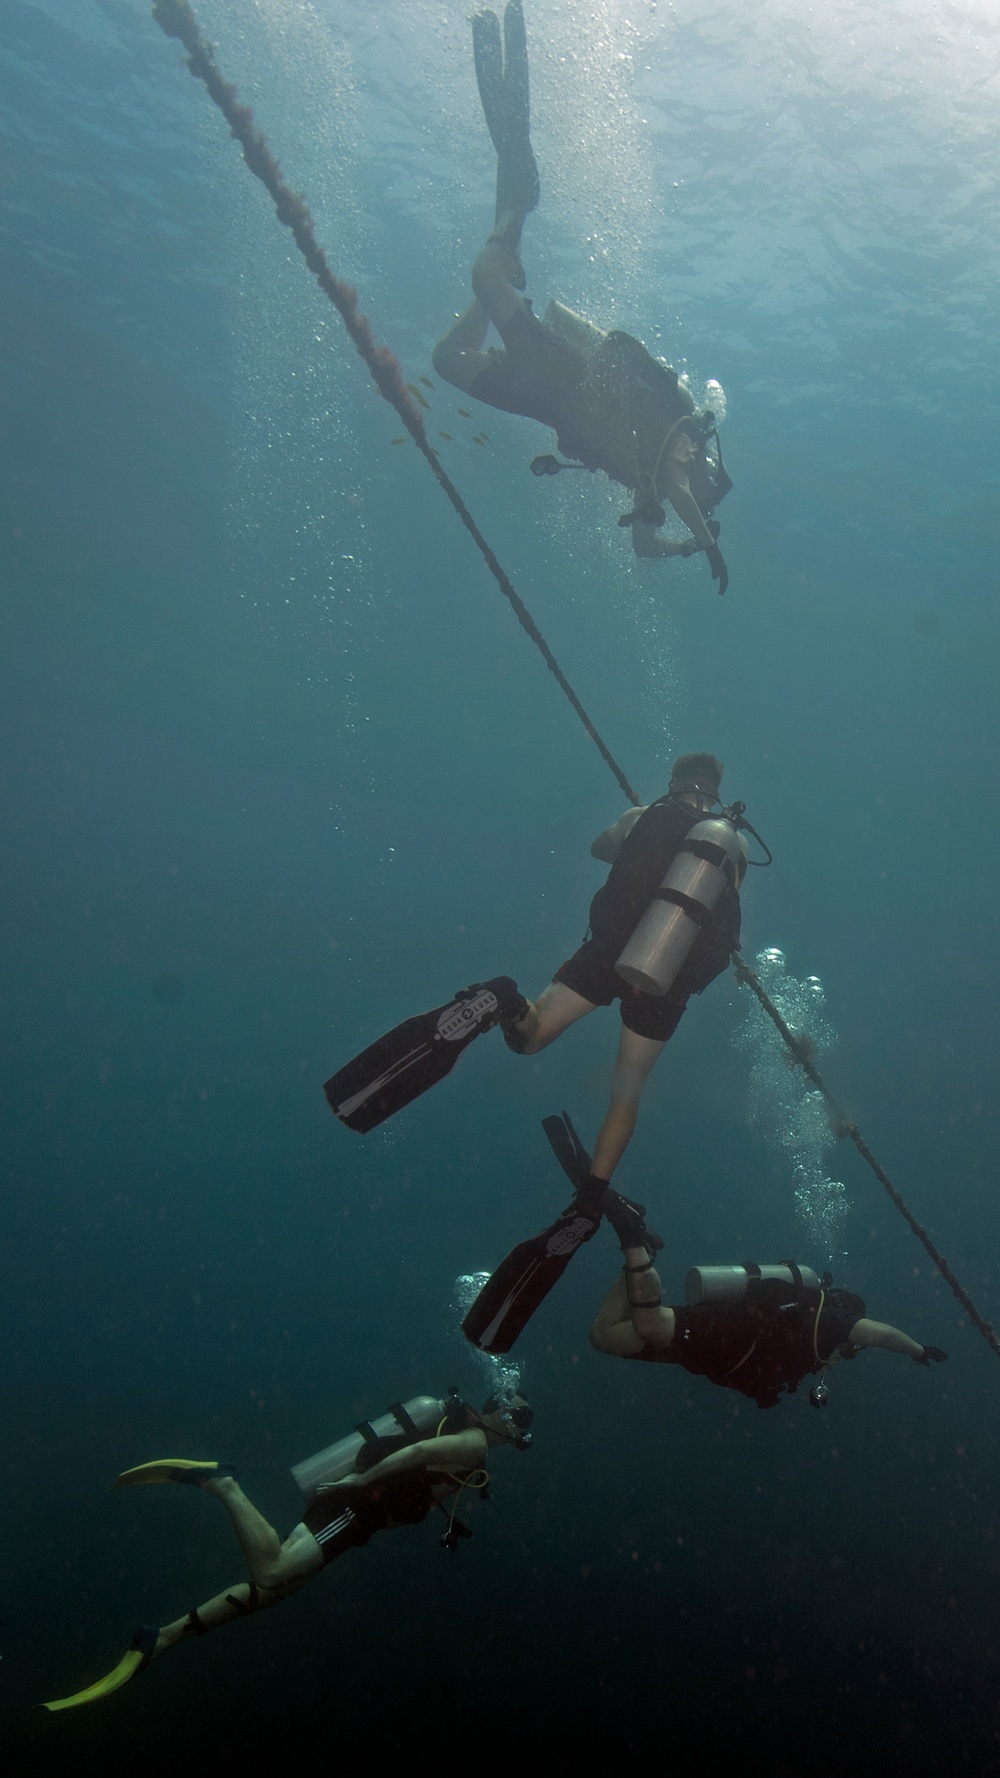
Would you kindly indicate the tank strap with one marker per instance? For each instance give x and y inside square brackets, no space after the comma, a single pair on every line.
[695,910]
[712,854]
[404,1419]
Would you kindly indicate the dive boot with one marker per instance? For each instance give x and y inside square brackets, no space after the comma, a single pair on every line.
[628,1221]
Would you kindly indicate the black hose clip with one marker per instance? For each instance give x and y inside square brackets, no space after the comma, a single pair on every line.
[456,1530]
[549,465]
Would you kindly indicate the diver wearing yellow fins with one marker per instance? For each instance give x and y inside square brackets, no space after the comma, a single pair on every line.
[391,1471]
[613,406]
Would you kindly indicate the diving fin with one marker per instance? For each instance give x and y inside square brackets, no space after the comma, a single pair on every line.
[487,54]
[139,1655]
[626,1217]
[172,1469]
[418,1053]
[523,1280]
[567,1148]
[502,78]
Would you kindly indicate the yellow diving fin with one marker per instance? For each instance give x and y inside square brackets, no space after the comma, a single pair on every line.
[139,1655]
[172,1469]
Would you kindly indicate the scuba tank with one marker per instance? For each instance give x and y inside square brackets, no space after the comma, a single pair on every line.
[404,1424]
[721,1285]
[573,329]
[713,853]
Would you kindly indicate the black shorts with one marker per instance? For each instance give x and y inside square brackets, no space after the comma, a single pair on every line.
[337,1528]
[707,1342]
[537,376]
[591,972]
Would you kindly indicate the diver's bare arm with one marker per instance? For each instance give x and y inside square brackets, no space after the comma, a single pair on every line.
[678,491]
[457,1450]
[888,1339]
[608,844]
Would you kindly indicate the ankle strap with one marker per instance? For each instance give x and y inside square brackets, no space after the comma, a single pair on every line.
[631,1270]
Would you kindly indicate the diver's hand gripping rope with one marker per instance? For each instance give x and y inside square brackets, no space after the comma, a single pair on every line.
[845,1126]
[176,19]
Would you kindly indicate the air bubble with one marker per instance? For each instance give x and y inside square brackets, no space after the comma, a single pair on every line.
[502,1378]
[791,1113]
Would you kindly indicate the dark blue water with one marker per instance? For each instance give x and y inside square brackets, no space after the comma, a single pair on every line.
[279,768]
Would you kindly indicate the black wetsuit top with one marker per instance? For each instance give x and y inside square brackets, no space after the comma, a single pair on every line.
[761,1348]
[611,410]
[647,852]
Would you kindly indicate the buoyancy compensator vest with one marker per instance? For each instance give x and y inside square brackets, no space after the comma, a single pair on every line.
[788,1322]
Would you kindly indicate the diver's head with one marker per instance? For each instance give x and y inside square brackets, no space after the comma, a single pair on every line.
[686,441]
[507,1422]
[696,777]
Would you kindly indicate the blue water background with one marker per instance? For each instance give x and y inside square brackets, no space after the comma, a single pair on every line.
[280,768]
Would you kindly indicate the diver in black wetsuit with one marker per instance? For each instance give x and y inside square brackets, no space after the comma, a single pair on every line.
[390,1481]
[612,405]
[762,1345]
[640,847]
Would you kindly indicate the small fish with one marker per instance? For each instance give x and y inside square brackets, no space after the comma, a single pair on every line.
[427,382]
[465,413]
[448,435]
[485,437]
[397,441]
[415,392]
[479,441]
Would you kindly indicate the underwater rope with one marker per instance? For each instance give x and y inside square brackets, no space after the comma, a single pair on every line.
[845,1126]
[176,19]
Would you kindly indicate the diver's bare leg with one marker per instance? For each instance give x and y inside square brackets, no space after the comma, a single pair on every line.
[276,1569]
[556,1008]
[636,1056]
[458,356]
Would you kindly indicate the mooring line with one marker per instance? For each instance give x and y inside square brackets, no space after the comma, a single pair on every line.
[176,19]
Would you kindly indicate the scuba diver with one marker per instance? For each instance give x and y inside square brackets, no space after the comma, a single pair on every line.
[612,405]
[389,1472]
[757,1329]
[664,925]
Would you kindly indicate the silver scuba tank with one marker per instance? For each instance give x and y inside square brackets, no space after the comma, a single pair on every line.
[728,1284]
[423,1415]
[573,329]
[714,853]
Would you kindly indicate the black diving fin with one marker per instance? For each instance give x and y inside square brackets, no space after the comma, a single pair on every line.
[523,1280]
[417,1054]
[567,1148]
